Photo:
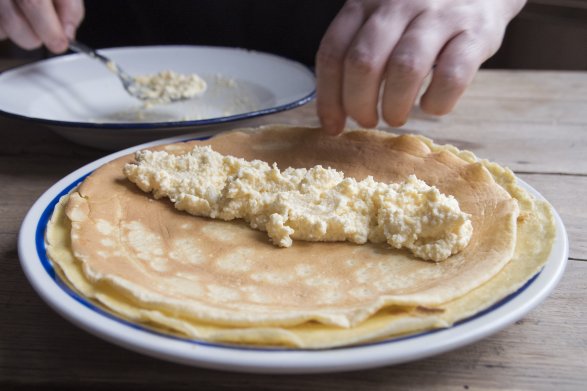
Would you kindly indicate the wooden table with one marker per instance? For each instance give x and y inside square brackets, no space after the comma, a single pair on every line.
[533,122]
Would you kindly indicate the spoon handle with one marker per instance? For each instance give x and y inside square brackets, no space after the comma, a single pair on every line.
[81,48]
[85,49]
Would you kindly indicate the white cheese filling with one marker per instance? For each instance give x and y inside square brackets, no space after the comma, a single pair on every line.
[316,204]
[169,86]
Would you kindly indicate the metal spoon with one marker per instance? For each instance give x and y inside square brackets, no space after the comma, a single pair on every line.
[130,84]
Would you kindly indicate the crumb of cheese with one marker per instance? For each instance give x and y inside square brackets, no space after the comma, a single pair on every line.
[316,204]
[168,86]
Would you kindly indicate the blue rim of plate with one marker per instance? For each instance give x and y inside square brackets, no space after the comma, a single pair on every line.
[171,124]
[540,286]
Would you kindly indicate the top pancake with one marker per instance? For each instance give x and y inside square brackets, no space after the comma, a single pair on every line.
[226,273]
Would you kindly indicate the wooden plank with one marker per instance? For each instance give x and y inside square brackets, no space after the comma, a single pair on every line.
[546,349]
[522,147]
[540,148]
[542,143]
[529,85]
[567,195]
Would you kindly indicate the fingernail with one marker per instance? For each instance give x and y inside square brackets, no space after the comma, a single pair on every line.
[58,46]
[69,30]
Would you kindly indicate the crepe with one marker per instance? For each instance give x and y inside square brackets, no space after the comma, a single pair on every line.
[222,281]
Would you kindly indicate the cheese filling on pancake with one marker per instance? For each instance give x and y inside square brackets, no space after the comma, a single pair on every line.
[315,204]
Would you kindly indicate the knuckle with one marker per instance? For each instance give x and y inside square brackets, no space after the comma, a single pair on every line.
[380,22]
[454,78]
[361,61]
[327,56]
[407,66]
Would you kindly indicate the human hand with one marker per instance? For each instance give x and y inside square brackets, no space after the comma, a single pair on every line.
[395,44]
[32,23]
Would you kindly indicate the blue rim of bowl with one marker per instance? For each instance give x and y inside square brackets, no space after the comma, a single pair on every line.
[49,269]
[171,124]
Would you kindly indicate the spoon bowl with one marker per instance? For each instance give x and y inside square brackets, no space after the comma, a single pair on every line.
[133,85]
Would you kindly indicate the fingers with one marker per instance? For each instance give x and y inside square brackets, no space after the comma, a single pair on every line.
[329,66]
[410,62]
[457,64]
[30,23]
[365,62]
[42,17]
[396,44]
[16,27]
[70,13]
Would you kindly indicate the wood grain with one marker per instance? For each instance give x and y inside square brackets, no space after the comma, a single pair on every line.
[533,122]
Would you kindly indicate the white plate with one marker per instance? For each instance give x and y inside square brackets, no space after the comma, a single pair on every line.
[84,102]
[83,313]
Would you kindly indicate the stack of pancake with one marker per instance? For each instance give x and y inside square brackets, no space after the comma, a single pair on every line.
[222,281]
